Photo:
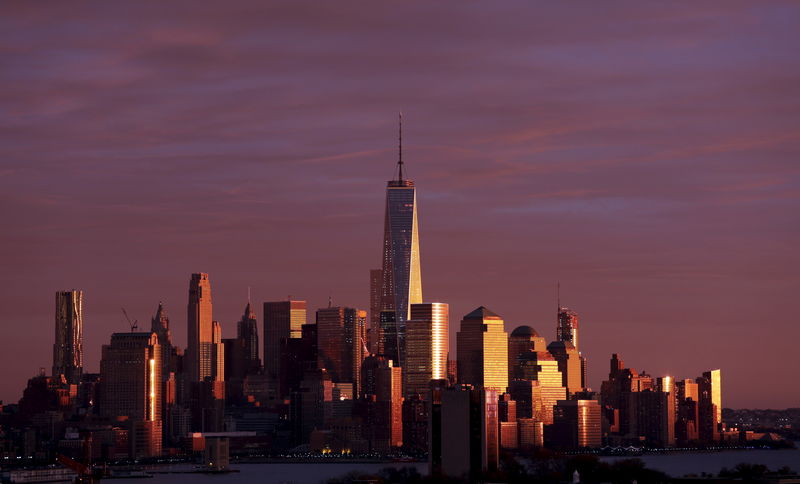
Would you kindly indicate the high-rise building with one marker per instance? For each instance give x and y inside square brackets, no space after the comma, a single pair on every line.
[576,425]
[282,320]
[198,364]
[482,344]
[217,353]
[569,363]
[341,341]
[382,402]
[464,433]
[130,369]
[710,406]
[567,329]
[68,346]
[427,345]
[402,280]
[687,415]
[522,340]
[247,334]
[374,330]
[539,388]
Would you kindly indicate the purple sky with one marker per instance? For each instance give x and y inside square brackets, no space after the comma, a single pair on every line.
[645,154]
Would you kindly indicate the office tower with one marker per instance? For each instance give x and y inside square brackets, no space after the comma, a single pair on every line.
[415,423]
[374,330]
[710,406]
[200,328]
[130,370]
[576,425]
[522,340]
[68,346]
[282,320]
[540,387]
[402,281]
[567,329]
[341,337]
[687,418]
[483,350]
[569,363]
[160,326]
[307,408]
[464,435]
[427,346]
[507,415]
[300,356]
[382,402]
[217,353]
[247,333]
[531,434]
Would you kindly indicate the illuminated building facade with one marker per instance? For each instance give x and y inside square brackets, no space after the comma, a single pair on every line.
[569,363]
[576,425]
[567,329]
[341,341]
[427,345]
[542,368]
[68,345]
[710,406]
[198,358]
[483,350]
[522,340]
[130,370]
[402,280]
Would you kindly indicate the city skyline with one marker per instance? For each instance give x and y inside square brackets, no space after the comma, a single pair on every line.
[663,208]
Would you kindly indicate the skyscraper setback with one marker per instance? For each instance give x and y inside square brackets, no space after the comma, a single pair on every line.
[402,280]
[68,346]
[200,329]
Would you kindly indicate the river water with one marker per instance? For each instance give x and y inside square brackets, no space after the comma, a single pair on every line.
[676,464]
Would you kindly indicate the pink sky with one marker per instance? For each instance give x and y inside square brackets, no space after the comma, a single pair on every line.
[645,154]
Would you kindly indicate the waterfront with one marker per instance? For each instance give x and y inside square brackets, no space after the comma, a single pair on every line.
[676,464]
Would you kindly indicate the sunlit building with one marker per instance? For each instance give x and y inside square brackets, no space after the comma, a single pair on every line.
[482,344]
[522,340]
[375,301]
[341,343]
[198,359]
[402,281]
[576,425]
[569,363]
[68,345]
[130,369]
[710,406]
[540,387]
[427,343]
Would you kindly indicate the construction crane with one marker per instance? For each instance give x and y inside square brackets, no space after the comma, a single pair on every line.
[134,325]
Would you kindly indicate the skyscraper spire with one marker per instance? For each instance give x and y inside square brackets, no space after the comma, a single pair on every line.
[400,147]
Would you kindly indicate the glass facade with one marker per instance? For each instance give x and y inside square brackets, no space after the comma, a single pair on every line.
[402,283]
[68,346]
[427,346]
[483,350]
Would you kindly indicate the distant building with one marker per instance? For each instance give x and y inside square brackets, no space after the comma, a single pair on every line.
[402,281]
[710,406]
[282,320]
[68,345]
[427,343]
[465,433]
[341,342]
[522,340]
[130,371]
[247,334]
[483,350]
[198,358]
[375,301]
[576,425]
[540,387]
[569,363]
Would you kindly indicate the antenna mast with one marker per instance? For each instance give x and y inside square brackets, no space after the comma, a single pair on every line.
[400,146]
